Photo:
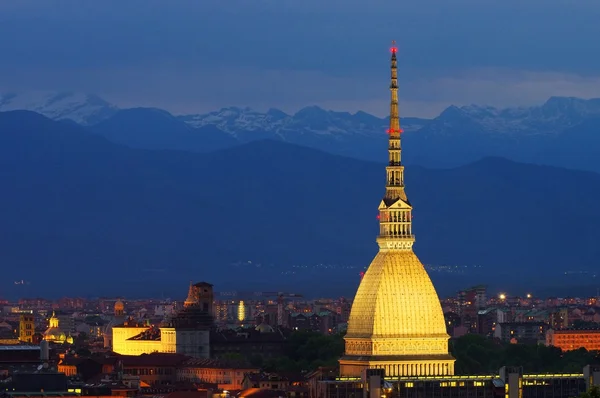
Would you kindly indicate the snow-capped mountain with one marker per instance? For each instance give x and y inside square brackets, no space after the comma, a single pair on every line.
[562,131]
[241,122]
[84,109]
[554,116]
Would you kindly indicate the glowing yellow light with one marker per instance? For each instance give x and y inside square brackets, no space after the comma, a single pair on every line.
[241,311]
[502,296]
[528,295]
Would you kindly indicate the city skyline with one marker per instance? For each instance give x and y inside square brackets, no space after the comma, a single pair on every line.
[293,235]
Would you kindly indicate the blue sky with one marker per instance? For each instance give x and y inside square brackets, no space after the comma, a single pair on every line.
[195,56]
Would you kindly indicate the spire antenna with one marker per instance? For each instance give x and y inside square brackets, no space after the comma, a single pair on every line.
[395,225]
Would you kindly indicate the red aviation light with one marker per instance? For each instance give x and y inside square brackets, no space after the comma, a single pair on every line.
[390,131]
[378,217]
[393,49]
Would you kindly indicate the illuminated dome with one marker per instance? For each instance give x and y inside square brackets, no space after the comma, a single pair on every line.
[396,322]
[396,299]
[54,333]
[69,339]
[119,306]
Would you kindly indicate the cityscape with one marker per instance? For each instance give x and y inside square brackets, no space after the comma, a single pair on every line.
[246,339]
[247,254]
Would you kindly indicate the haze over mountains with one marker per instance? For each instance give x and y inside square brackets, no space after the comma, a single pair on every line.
[79,206]
[561,132]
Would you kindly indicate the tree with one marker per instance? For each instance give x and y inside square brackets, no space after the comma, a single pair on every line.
[593,392]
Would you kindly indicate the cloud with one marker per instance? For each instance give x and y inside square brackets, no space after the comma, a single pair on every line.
[183,89]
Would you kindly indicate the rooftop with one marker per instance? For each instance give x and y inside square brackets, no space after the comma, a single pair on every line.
[216,364]
[154,359]
[19,347]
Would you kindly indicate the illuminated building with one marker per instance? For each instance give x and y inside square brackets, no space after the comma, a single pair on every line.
[26,328]
[54,334]
[396,326]
[241,311]
[574,339]
[509,382]
[226,376]
[186,333]
[396,322]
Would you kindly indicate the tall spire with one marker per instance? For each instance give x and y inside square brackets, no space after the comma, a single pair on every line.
[396,322]
[395,209]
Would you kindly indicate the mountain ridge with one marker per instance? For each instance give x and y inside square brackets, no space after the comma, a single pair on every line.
[459,135]
[81,202]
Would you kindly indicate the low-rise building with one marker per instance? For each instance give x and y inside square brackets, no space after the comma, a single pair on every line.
[226,375]
[521,332]
[574,339]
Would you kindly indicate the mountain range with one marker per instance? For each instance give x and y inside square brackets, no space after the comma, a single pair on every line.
[82,211]
[561,132]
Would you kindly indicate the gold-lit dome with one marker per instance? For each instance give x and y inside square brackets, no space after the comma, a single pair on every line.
[119,305]
[397,299]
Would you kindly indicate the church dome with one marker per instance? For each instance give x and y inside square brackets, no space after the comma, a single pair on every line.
[119,306]
[396,299]
[54,333]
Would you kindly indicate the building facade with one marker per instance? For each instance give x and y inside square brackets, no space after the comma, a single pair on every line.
[26,328]
[510,382]
[187,333]
[574,339]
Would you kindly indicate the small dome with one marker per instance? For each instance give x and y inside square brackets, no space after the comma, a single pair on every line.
[119,305]
[264,328]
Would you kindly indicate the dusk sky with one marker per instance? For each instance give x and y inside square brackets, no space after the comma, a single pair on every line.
[196,56]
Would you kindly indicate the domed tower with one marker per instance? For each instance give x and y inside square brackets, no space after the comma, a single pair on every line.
[396,322]
[54,333]
[119,309]
[118,319]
